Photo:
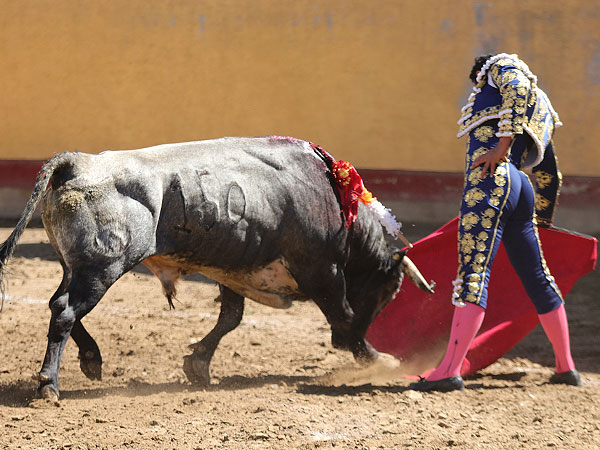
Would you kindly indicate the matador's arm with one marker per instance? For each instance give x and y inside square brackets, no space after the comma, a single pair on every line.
[515,89]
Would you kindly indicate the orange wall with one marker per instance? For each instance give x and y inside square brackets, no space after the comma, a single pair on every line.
[379,83]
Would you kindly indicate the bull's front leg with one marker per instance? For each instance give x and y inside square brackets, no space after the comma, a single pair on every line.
[330,296]
[345,336]
[197,365]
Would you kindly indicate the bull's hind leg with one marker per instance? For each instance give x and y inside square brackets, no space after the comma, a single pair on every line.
[196,366]
[85,289]
[90,359]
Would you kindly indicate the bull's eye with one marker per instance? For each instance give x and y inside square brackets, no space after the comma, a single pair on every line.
[396,256]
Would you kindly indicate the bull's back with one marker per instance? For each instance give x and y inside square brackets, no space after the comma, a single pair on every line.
[223,202]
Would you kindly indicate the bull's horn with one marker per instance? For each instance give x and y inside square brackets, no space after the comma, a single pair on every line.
[409,268]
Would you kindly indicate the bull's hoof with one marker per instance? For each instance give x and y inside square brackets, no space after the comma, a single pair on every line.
[90,364]
[365,354]
[47,392]
[91,369]
[196,370]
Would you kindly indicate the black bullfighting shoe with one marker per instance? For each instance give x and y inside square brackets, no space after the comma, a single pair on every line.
[455,383]
[570,377]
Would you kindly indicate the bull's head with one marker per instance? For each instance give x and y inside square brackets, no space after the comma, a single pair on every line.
[370,291]
[400,265]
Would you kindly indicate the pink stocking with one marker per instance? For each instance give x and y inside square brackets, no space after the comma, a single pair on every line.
[465,324]
[556,328]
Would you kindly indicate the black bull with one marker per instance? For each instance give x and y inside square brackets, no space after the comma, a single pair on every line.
[258,215]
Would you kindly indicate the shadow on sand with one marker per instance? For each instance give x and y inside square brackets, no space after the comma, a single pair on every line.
[22,393]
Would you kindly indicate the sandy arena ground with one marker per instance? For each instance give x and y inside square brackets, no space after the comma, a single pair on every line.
[276,380]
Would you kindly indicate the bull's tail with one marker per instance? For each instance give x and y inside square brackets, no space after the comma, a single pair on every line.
[8,247]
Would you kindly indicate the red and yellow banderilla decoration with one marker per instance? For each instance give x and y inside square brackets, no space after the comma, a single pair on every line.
[351,189]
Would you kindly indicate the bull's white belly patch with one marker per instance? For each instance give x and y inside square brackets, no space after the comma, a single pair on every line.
[271,285]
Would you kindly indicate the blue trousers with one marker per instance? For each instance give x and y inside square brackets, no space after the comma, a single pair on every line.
[494,209]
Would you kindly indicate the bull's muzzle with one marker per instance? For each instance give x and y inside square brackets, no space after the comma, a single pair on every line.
[411,271]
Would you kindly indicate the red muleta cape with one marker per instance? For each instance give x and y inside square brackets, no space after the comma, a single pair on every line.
[415,326]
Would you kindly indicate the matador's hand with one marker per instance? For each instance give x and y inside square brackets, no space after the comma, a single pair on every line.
[494,157]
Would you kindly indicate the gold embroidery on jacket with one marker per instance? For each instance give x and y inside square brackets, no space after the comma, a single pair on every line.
[541,202]
[484,133]
[542,179]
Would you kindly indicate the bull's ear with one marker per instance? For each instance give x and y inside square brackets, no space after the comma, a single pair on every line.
[397,256]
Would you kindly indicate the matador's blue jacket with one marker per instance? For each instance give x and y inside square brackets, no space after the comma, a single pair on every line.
[507,91]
